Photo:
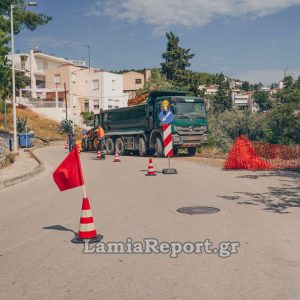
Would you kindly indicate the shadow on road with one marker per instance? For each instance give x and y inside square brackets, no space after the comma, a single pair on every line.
[277,199]
[60,228]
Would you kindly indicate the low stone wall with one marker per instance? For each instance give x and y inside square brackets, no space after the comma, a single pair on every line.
[4,142]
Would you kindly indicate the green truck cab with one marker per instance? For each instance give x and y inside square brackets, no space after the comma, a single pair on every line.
[138,128]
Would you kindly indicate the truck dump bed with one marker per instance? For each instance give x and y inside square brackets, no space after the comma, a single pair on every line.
[126,118]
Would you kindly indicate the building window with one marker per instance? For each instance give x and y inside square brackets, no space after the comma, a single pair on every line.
[109,106]
[57,79]
[86,105]
[116,107]
[96,84]
[113,85]
[74,101]
[138,81]
[96,104]
[73,78]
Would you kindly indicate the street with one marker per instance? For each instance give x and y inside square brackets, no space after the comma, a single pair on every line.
[260,210]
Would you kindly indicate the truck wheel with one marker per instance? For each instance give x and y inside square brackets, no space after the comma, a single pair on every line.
[159,146]
[110,146]
[192,151]
[142,147]
[120,147]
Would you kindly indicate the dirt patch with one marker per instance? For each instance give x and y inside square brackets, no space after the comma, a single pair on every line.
[219,162]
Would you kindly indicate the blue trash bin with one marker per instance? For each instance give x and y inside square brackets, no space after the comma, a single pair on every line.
[25,140]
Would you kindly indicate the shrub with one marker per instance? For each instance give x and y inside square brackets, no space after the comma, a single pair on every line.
[225,127]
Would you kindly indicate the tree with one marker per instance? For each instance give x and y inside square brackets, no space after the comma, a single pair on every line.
[282,125]
[262,99]
[246,86]
[176,60]
[222,101]
[157,81]
[87,116]
[22,18]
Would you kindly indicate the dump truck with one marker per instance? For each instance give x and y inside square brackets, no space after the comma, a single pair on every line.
[138,128]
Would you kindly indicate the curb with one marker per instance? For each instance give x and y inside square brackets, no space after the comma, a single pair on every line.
[12,181]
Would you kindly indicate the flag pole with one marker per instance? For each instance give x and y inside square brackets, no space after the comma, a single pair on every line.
[84,191]
[80,171]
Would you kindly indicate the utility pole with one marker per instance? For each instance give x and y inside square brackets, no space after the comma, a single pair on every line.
[89,51]
[66,101]
[13,79]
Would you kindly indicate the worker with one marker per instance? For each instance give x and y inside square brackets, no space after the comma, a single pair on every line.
[101,133]
[85,140]
[71,140]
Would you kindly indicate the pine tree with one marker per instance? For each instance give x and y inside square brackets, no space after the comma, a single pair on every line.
[222,101]
[176,60]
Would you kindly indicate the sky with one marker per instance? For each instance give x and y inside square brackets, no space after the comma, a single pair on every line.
[252,40]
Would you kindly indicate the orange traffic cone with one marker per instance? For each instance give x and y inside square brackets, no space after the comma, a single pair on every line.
[67,145]
[117,158]
[151,171]
[87,230]
[99,154]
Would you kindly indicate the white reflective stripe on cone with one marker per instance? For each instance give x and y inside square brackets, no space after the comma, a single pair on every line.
[86,213]
[87,227]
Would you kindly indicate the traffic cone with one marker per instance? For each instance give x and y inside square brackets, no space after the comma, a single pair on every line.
[99,154]
[87,230]
[151,171]
[67,145]
[117,158]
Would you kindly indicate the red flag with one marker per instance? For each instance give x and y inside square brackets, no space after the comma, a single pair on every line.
[68,175]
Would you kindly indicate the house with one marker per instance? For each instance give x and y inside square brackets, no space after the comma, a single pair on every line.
[60,88]
[211,89]
[242,100]
[133,81]
[33,68]
[88,89]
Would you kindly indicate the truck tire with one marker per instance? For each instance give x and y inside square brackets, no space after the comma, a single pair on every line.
[175,151]
[142,147]
[159,147]
[192,151]
[119,146]
[110,146]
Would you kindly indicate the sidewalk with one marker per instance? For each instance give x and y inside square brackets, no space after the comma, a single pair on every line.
[26,165]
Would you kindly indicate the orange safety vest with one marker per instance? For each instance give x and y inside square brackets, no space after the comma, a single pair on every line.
[100,132]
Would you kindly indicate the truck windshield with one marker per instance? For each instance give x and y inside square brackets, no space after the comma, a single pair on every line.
[190,109]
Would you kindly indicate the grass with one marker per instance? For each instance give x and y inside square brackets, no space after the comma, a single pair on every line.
[211,152]
[9,159]
[41,126]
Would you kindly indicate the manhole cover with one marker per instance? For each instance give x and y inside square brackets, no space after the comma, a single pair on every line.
[197,210]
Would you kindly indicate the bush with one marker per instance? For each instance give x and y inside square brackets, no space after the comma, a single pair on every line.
[65,126]
[282,125]
[225,127]
[21,124]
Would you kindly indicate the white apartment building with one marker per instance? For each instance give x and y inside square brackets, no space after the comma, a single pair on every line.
[87,89]
[33,67]
[105,91]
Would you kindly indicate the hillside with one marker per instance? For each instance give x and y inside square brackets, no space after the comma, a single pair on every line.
[42,127]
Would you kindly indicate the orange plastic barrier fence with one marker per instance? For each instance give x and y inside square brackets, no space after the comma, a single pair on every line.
[246,154]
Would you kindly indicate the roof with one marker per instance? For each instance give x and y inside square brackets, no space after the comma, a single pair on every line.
[50,57]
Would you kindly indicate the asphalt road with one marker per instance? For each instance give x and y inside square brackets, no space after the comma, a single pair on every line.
[260,210]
